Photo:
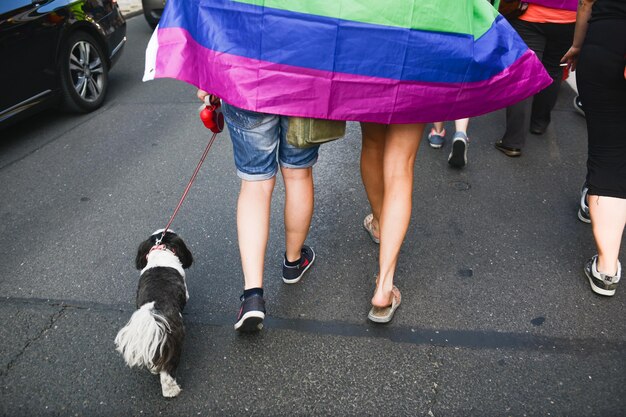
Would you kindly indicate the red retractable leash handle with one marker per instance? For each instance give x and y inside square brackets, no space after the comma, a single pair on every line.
[212,117]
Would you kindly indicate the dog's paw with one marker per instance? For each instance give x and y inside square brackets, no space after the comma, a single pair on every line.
[171,390]
[169,387]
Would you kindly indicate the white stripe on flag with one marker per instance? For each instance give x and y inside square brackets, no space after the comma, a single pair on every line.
[151,55]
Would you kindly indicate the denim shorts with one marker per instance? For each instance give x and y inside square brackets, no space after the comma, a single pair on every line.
[260,144]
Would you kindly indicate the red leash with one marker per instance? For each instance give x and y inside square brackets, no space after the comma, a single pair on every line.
[213,119]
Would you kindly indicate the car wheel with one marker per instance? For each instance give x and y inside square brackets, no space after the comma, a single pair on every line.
[84,73]
[152,14]
[152,21]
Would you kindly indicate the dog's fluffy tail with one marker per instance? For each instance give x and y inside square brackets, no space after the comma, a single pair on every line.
[143,338]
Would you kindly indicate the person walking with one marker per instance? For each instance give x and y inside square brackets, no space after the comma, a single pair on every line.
[387,162]
[548,31]
[260,149]
[375,73]
[598,55]
[460,142]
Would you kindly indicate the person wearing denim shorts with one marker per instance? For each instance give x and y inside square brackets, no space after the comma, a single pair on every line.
[260,148]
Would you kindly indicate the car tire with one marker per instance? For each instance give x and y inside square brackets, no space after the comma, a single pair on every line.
[84,73]
[153,22]
[152,17]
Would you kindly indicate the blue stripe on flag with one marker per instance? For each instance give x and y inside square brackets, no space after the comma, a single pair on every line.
[336,45]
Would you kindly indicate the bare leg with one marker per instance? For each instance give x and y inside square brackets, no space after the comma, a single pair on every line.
[372,151]
[299,202]
[401,145]
[438,127]
[608,218]
[253,225]
[461,125]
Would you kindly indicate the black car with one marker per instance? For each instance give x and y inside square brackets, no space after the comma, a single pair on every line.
[57,51]
[152,10]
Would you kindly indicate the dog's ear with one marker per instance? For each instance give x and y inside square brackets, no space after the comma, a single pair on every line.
[142,252]
[184,254]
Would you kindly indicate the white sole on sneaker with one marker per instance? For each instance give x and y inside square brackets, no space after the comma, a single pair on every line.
[583,207]
[583,218]
[296,280]
[578,109]
[597,289]
[441,135]
[458,155]
[250,322]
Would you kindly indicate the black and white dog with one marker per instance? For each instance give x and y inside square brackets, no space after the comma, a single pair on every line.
[154,335]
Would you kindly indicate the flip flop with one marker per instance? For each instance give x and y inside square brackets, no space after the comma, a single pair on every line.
[367,224]
[385,314]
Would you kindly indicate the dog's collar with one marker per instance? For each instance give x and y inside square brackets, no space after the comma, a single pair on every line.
[160,255]
[160,247]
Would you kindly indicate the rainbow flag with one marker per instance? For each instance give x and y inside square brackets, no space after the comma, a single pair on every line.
[392,61]
[557,4]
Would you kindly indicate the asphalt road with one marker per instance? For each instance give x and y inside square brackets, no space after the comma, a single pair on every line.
[497,318]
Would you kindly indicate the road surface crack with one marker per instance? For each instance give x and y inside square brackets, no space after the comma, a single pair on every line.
[53,319]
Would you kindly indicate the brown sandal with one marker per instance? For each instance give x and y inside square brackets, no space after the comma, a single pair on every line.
[385,314]
[367,224]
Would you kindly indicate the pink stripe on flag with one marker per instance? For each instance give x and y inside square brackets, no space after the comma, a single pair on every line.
[557,4]
[294,91]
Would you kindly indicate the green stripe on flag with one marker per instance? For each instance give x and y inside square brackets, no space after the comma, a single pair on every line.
[473,17]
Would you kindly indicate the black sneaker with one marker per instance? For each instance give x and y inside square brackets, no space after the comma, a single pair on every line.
[251,314]
[600,283]
[458,155]
[583,209]
[537,129]
[292,274]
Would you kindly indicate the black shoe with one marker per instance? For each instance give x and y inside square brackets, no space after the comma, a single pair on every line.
[538,127]
[292,274]
[600,283]
[251,314]
[578,106]
[458,155]
[538,130]
[507,150]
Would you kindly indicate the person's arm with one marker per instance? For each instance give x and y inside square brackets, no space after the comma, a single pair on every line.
[582,22]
